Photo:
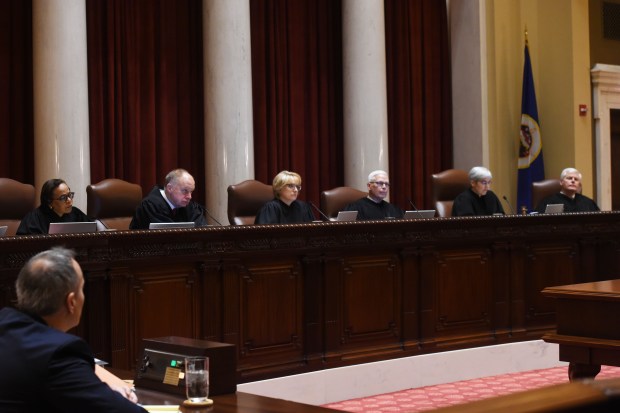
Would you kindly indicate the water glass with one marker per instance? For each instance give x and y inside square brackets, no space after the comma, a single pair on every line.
[197,379]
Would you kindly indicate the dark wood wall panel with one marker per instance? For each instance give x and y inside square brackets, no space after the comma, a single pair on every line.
[97,314]
[299,298]
[371,293]
[123,324]
[548,264]
[271,311]
[174,290]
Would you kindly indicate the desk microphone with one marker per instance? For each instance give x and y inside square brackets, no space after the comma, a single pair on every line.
[211,216]
[320,212]
[509,205]
[411,202]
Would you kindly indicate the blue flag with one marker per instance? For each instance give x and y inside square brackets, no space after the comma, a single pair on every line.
[531,167]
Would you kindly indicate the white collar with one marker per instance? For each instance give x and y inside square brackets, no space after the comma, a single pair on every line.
[163,193]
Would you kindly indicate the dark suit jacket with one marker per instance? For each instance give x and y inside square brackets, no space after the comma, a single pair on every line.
[46,370]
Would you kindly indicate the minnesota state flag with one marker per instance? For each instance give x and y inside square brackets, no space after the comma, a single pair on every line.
[531,167]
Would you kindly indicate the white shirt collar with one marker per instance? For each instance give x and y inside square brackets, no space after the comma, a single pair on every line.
[163,193]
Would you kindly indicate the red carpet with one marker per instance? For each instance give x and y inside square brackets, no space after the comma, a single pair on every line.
[442,395]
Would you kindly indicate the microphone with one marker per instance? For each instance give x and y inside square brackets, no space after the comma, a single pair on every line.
[411,202]
[320,212]
[509,205]
[212,217]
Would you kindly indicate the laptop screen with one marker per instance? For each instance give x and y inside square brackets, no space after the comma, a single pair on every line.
[420,213]
[72,227]
[3,230]
[171,225]
[554,208]
[345,216]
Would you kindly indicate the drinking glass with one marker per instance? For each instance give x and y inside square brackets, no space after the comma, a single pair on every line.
[197,379]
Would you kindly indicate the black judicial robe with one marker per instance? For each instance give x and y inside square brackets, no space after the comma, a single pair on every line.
[368,209]
[580,203]
[277,212]
[469,203]
[155,208]
[38,220]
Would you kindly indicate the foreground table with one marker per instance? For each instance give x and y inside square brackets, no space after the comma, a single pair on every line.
[229,403]
[588,328]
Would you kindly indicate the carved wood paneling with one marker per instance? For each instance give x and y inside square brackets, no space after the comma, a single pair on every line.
[547,265]
[463,292]
[271,306]
[297,298]
[173,289]
[372,301]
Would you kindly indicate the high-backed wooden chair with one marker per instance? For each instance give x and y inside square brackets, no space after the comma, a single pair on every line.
[446,186]
[543,189]
[245,199]
[113,202]
[16,200]
[334,200]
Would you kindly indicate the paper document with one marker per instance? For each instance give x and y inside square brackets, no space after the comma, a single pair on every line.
[154,408]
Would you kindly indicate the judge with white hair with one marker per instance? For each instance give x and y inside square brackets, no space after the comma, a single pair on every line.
[374,205]
[569,195]
[478,199]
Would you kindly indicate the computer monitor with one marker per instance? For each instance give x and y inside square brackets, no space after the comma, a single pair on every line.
[554,208]
[171,225]
[420,213]
[3,229]
[72,227]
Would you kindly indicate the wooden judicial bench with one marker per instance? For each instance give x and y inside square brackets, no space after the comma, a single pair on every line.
[306,297]
[588,326]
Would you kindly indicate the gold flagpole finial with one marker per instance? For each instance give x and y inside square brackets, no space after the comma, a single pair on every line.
[525,33]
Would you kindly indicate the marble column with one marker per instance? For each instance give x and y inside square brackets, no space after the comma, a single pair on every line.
[365,90]
[61,134]
[229,131]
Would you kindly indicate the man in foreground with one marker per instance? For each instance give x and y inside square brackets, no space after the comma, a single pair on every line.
[44,369]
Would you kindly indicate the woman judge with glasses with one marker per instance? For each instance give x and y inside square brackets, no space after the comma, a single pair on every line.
[374,206]
[478,199]
[56,206]
[285,208]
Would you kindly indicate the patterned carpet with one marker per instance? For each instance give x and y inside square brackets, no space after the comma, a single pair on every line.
[442,395]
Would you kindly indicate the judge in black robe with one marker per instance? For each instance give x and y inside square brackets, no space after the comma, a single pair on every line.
[172,203]
[367,209]
[374,206]
[285,208]
[478,199]
[56,206]
[470,203]
[579,203]
[569,196]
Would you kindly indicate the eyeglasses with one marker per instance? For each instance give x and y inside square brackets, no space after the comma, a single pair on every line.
[63,198]
[293,186]
[381,183]
[485,183]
